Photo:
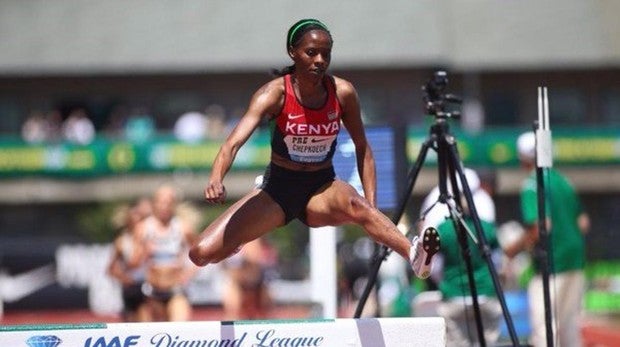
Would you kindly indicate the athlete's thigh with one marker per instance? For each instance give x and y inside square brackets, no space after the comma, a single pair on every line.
[249,218]
[333,204]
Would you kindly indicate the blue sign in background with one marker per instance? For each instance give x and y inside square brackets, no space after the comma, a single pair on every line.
[382,142]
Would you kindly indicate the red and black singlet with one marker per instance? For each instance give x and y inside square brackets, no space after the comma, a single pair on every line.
[306,135]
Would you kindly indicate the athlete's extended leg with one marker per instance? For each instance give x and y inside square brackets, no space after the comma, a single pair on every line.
[339,203]
[249,218]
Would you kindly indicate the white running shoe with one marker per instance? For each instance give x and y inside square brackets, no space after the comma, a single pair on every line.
[421,253]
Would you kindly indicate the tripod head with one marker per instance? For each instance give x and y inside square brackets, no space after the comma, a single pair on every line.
[435,98]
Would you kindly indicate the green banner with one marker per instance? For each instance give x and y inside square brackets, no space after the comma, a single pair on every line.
[497,147]
[492,147]
[109,157]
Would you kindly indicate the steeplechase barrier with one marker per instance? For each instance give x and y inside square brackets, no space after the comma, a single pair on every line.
[363,332]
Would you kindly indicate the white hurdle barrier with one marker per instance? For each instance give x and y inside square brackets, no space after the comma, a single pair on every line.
[363,332]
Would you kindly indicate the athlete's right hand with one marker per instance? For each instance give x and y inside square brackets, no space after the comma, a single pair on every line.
[215,192]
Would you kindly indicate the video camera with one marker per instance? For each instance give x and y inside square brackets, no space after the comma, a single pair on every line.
[435,98]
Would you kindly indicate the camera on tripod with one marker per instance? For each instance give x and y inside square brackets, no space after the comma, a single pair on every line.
[436,99]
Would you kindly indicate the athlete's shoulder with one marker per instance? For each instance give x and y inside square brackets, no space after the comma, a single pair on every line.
[345,91]
[272,87]
[269,98]
[343,85]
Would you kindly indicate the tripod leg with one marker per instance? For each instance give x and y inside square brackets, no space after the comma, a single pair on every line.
[382,254]
[447,167]
[482,241]
[459,228]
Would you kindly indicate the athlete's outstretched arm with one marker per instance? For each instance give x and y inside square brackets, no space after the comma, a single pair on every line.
[352,120]
[264,102]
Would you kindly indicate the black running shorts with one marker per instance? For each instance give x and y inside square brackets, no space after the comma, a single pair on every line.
[293,189]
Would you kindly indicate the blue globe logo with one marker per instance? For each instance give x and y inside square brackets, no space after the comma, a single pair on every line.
[44,341]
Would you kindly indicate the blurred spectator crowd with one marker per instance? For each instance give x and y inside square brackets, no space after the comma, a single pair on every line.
[135,125]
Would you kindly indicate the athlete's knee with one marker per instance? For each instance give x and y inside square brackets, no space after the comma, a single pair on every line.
[202,255]
[360,209]
[198,256]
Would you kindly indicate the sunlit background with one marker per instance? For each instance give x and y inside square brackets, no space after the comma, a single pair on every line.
[140,69]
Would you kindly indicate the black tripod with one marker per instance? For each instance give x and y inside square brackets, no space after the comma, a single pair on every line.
[449,166]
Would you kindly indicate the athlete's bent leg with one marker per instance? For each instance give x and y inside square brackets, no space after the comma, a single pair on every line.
[339,203]
[249,218]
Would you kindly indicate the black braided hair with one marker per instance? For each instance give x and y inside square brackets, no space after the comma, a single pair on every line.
[294,35]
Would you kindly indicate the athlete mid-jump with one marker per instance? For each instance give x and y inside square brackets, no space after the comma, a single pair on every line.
[306,108]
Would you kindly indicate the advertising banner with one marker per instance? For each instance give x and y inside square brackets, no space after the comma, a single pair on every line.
[497,147]
[164,153]
[381,332]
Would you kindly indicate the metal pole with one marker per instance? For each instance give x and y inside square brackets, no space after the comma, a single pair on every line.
[544,160]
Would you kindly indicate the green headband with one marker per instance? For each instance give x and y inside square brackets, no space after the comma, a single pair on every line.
[302,24]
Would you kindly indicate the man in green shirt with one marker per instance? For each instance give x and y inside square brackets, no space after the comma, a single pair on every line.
[566,223]
[456,306]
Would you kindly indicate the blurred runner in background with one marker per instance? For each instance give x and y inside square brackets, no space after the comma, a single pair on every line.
[246,294]
[127,262]
[167,236]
